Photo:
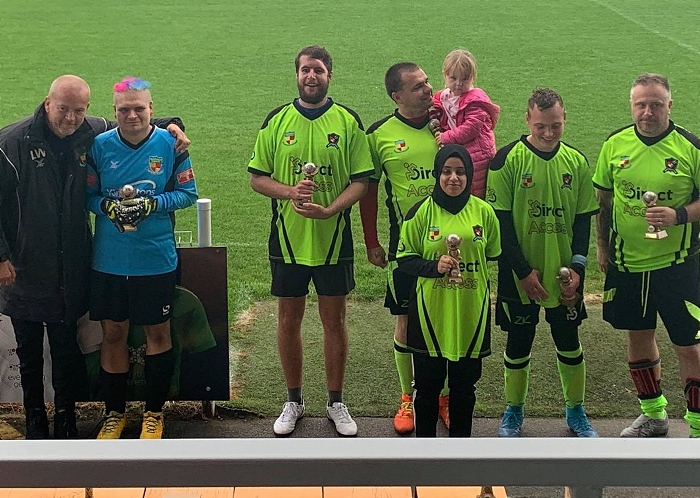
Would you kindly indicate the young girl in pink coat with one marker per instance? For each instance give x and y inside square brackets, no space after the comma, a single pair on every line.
[467,115]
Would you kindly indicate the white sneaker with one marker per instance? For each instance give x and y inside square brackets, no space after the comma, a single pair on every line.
[287,421]
[344,424]
[646,427]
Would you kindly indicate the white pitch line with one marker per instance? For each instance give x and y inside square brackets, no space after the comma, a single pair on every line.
[649,29]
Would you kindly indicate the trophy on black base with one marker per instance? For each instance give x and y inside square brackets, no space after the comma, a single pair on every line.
[653,232]
[127,193]
[453,241]
[434,123]
[309,170]
[564,277]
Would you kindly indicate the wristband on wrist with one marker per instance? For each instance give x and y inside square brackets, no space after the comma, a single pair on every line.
[579,259]
[681,215]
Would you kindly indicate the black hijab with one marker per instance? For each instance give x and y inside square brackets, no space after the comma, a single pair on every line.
[452,204]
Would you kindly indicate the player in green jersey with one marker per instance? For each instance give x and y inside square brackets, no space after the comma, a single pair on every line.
[648,273]
[311,237]
[403,150]
[449,314]
[541,190]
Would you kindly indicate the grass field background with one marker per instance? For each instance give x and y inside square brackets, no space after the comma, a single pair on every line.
[223,65]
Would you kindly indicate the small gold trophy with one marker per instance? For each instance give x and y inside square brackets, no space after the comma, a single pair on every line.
[126,193]
[453,241]
[434,123]
[309,170]
[564,277]
[653,232]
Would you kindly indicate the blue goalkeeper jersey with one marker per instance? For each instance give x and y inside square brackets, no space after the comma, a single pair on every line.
[156,170]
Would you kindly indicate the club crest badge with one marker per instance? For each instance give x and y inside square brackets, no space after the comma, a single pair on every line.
[566,179]
[526,181]
[333,139]
[290,138]
[434,233]
[155,165]
[478,233]
[400,145]
[671,165]
[624,162]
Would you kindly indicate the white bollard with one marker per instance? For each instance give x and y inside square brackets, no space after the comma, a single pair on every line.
[204,222]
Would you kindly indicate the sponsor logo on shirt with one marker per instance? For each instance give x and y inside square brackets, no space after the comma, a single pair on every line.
[290,138]
[631,191]
[526,181]
[671,165]
[540,209]
[414,172]
[155,165]
[400,145]
[185,176]
[490,194]
[566,179]
[333,139]
[624,162]
[143,188]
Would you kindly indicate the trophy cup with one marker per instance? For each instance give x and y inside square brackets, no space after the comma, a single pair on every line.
[127,193]
[434,123]
[309,170]
[653,232]
[564,277]
[453,241]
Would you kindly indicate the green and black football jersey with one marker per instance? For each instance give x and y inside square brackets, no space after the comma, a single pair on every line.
[544,191]
[668,165]
[333,140]
[403,152]
[454,318]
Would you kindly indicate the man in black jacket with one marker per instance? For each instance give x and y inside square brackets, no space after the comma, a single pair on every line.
[45,244]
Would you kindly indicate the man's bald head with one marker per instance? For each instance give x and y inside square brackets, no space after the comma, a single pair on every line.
[69,83]
[66,104]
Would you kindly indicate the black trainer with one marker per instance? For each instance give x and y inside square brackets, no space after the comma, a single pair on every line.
[37,424]
[64,424]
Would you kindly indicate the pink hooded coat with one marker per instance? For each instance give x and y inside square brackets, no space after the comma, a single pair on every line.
[476,118]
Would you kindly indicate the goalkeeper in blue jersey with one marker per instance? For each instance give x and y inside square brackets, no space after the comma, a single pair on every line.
[136,180]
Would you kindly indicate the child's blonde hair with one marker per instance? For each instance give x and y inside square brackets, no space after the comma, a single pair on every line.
[460,62]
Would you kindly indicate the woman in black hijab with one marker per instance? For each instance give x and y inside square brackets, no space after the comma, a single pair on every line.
[449,310]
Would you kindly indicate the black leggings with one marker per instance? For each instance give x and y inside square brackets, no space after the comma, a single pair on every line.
[429,373]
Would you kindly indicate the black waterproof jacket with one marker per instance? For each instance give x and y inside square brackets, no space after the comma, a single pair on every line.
[44,226]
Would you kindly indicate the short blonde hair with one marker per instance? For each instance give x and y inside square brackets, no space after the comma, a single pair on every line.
[460,62]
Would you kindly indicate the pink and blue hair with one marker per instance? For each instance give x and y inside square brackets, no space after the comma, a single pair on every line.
[131,83]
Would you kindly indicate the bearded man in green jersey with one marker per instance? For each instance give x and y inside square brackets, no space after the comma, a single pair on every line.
[541,190]
[310,238]
[649,250]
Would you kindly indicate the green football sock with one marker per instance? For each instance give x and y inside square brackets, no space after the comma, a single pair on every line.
[516,374]
[693,420]
[654,408]
[572,372]
[404,366]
